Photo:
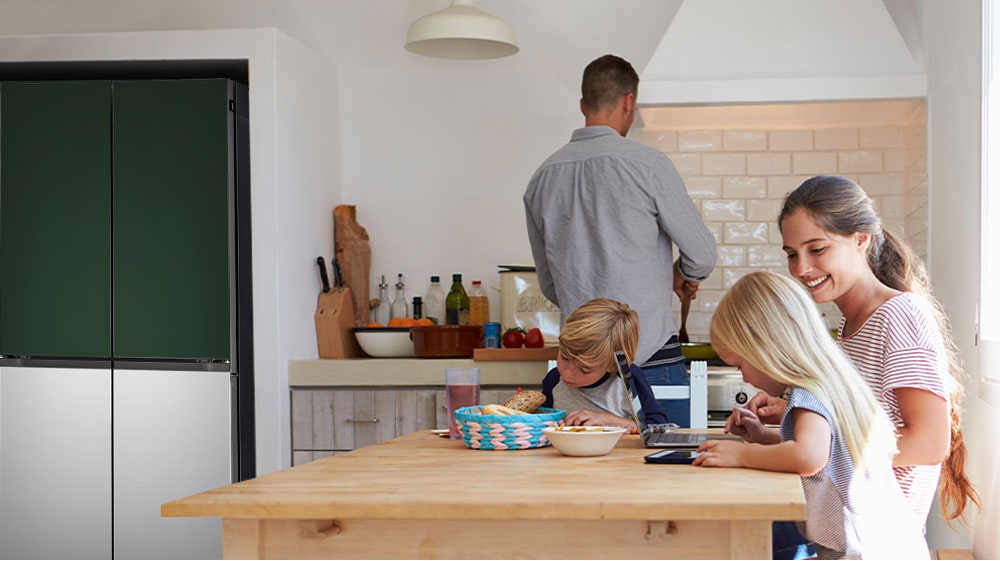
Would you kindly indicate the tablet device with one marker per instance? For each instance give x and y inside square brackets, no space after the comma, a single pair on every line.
[672,457]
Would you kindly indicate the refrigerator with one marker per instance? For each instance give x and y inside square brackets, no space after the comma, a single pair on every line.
[126,354]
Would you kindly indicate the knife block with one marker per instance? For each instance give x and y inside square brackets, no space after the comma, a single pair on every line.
[334,324]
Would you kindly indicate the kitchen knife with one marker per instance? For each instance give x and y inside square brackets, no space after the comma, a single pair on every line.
[322,273]
[338,278]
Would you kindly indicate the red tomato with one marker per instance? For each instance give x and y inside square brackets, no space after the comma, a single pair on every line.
[534,339]
[513,338]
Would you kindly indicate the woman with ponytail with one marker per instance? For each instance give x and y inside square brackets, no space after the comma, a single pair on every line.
[894,330]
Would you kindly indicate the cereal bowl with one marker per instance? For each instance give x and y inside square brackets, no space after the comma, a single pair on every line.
[584,441]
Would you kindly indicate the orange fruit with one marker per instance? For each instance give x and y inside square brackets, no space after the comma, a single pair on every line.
[395,322]
[424,321]
[407,322]
[375,324]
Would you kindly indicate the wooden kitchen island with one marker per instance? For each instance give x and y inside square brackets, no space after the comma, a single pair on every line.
[420,496]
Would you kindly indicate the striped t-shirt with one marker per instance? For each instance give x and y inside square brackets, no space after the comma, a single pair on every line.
[851,513]
[900,346]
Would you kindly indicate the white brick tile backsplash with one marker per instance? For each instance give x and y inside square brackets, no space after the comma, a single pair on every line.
[779,186]
[859,161]
[790,140]
[716,228]
[702,187]
[894,159]
[814,163]
[739,177]
[761,256]
[664,141]
[732,256]
[769,163]
[763,210]
[836,139]
[745,141]
[876,184]
[744,187]
[746,233]
[699,141]
[686,164]
[724,164]
[882,137]
[723,210]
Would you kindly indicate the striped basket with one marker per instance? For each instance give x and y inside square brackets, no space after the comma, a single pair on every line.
[506,432]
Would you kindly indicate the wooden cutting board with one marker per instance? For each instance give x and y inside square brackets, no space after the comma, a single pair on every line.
[545,353]
[355,256]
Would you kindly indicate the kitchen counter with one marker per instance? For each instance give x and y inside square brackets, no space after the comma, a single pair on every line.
[421,496]
[364,372]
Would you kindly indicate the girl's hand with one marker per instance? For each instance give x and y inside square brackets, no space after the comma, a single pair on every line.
[720,453]
[590,417]
[767,408]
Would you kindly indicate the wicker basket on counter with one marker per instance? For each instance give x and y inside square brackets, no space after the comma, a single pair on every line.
[506,432]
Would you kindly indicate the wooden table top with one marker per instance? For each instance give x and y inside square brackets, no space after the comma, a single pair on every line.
[423,476]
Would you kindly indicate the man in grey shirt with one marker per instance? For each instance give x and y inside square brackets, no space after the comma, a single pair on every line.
[603,215]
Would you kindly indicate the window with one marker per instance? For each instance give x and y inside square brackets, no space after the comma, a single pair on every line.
[989,301]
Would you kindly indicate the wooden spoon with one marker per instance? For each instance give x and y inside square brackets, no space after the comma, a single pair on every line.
[682,335]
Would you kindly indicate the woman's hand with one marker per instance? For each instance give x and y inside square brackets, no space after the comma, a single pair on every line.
[744,424]
[767,408]
[590,417]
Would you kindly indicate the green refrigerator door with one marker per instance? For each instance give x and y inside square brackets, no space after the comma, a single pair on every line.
[55,219]
[172,173]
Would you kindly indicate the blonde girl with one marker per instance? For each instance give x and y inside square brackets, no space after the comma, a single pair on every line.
[833,434]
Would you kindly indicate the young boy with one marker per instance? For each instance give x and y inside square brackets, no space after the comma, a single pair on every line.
[585,382]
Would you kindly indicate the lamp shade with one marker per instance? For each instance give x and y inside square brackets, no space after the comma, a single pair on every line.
[461,31]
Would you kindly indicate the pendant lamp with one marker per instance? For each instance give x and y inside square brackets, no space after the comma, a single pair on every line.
[461,31]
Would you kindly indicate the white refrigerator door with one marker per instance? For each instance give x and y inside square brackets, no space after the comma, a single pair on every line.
[172,438]
[55,463]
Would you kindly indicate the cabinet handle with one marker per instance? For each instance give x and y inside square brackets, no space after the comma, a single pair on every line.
[362,420]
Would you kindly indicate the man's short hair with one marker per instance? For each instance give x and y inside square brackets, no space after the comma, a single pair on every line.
[606,80]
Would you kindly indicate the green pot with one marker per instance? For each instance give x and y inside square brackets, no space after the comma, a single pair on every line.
[699,351]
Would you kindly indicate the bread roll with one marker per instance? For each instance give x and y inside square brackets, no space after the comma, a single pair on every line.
[526,402]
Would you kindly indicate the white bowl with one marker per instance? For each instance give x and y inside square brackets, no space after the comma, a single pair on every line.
[584,441]
[385,342]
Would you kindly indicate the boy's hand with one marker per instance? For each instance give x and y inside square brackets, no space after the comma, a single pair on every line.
[590,417]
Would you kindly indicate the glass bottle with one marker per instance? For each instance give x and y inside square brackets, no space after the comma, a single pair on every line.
[400,309]
[383,310]
[479,304]
[418,307]
[434,301]
[457,303]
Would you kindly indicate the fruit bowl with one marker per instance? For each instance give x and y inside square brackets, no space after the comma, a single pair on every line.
[385,342]
[584,441]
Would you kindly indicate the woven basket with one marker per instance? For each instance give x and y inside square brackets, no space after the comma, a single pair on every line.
[506,432]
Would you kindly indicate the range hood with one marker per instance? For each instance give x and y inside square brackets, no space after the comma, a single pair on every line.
[763,51]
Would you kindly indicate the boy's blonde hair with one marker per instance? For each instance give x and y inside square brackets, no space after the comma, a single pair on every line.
[598,328]
[769,321]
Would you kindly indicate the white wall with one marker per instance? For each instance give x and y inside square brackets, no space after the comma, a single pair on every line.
[953,51]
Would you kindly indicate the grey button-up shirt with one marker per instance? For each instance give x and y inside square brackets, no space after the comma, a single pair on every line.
[603,214]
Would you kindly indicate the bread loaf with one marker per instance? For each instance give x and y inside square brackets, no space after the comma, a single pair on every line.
[494,409]
[526,402]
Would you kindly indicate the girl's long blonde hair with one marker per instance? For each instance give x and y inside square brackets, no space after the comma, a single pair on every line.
[769,321]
